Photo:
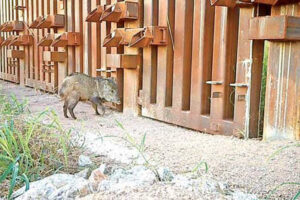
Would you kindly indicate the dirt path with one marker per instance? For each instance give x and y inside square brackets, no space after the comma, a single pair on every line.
[242,164]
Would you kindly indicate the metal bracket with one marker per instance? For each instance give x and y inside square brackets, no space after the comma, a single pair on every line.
[151,35]
[275,2]
[123,61]
[239,85]
[214,82]
[231,3]
[106,70]
[279,28]
[47,40]
[95,15]
[12,26]
[20,8]
[22,40]
[1,41]
[52,21]
[120,11]
[34,24]
[66,39]
[12,53]
[54,56]
[120,36]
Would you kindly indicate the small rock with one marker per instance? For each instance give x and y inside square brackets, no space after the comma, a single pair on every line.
[102,168]
[182,181]
[210,186]
[120,179]
[58,186]
[240,195]
[83,174]
[84,161]
[96,178]
[165,174]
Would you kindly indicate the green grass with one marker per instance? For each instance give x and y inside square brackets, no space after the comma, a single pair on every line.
[10,107]
[140,147]
[263,88]
[32,146]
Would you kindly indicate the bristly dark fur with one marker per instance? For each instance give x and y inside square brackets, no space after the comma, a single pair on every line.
[96,78]
[81,87]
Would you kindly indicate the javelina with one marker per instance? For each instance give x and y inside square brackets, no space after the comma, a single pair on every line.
[80,87]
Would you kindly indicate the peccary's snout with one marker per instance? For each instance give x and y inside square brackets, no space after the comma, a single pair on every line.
[118,101]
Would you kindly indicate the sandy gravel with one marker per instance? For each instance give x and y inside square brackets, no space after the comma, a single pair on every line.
[243,164]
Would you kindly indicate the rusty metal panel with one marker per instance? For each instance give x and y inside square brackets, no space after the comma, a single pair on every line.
[276,2]
[123,61]
[202,71]
[94,43]
[132,77]
[86,8]
[189,63]
[227,3]
[70,14]
[283,86]
[2,39]
[10,28]
[15,54]
[248,78]
[78,21]
[283,27]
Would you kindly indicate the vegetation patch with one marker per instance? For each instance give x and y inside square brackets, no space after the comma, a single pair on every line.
[32,146]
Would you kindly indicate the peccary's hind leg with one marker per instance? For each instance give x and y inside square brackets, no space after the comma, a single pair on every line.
[72,103]
[71,107]
[96,108]
[66,109]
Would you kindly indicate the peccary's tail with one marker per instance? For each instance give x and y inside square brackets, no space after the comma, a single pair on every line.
[62,89]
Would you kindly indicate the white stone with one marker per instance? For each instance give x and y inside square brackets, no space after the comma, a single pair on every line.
[240,195]
[165,174]
[112,150]
[182,181]
[84,161]
[83,173]
[58,186]
[121,179]
[96,178]
[102,168]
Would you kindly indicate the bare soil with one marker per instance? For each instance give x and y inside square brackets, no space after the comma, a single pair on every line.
[243,164]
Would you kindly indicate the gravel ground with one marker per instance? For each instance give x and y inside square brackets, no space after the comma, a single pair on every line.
[243,164]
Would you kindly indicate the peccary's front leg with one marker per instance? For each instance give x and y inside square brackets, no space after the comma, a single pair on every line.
[96,102]
[65,108]
[102,108]
[95,106]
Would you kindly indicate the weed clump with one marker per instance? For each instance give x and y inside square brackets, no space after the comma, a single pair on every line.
[32,146]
